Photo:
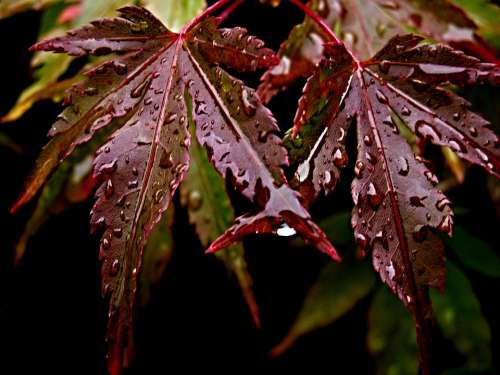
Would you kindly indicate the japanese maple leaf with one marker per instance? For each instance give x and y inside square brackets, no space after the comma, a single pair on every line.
[397,206]
[140,97]
[366,26]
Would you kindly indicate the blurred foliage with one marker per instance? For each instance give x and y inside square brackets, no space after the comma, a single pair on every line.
[460,318]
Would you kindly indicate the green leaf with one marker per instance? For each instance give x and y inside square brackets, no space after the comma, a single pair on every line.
[50,67]
[486,15]
[175,14]
[6,141]
[337,290]
[10,7]
[157,255]
[338,228]
[210,210]
[391,336]
[474,253]
[459,315]
[52,200]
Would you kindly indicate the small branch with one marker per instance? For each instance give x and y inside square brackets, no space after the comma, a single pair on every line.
[207,12]
[326,29]
[230,10]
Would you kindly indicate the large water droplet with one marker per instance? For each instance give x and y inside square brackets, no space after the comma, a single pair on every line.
[427,131]
[249,102]
[137,92]
[108,189]
[381,97]
[118,232]
[374,197]
[405,111]
[446,224]
[115,267]
[403,167]
[108,168]
[285,231]
[166,160]
[362,240]
[340,158]
[119,67]
[359,167]
[195,200]
[133,184]
[442,203]
[91,91]
[200,107]
[303,171]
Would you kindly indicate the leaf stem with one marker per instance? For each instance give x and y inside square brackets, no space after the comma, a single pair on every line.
[207,12]
[326,29]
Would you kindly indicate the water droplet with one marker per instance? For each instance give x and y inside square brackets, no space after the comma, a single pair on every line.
[456,116]
[473,131]
[431,177]
[420,233]
[457,146]
[91,91]
[374,197]
[381,28]
[118,232]
[133,184]
[200,107]
[148,101]
[115,267]
[427,131]
[482,155]
[381,97]
[342,135]
[416,201]
[303,171]
[446,224]
[108,189]
[195,200]
[368,140]
[262,136]
[106,244]
[166,160]
[384,66]
[137,92]
[403,167]
[249,102]
[101,222]
[359,167]
[119,67]
[158,196]
[285,231]
[405,111]
[389,4]
[340,158]
[361,240]
[442,203]
[108,168]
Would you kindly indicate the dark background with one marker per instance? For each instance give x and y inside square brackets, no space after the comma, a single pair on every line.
[52,318]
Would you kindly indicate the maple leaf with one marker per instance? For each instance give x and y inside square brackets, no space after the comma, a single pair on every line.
[396,201]
[140,97]
[366,26]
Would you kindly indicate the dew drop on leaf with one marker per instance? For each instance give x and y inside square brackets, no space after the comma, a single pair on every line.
[285,231]
[195,200]
[340,158]
[374,197]
[427,131]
